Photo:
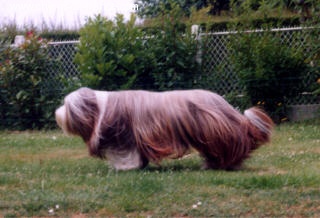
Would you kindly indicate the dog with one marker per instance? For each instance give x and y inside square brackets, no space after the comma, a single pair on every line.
[134,127]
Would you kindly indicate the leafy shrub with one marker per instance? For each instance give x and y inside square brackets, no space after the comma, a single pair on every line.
[23,70]
[60,35]
[112,55]
[270,71]
[119,55]
[174,49]
[313,42]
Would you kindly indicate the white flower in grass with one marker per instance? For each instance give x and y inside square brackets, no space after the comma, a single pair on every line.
[195,206]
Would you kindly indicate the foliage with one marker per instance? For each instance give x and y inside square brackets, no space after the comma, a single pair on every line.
[112,55]
[60,35]
[311,18]
[214,8]
[240,102]
[54,31]
[46,174]
[23,71]
[152,8]
[270,71]
[119,55]
[8,31]
[175,50]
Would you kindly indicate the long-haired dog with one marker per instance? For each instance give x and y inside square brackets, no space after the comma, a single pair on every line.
[131,128]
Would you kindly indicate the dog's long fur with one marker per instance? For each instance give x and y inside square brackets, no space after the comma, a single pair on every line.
[131,128]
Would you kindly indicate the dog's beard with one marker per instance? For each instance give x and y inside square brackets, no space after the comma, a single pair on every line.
[61,119]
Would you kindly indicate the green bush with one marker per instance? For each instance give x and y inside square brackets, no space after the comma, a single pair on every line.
[119,55]
[270,71]
[257,23]
[174,49]
[313,42]
[112,55]
[60,35]
[23,71]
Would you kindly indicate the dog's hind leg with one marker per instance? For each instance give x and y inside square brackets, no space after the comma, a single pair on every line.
[144,162]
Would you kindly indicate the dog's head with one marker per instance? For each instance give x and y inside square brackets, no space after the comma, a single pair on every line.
[79,113]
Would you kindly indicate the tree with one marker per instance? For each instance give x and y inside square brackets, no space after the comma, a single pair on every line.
[151,8]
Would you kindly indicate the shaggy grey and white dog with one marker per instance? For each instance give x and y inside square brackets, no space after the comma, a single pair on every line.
[131,128]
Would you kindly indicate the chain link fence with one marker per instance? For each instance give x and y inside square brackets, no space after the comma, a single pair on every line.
[213,55]
[65,68]
[216,62]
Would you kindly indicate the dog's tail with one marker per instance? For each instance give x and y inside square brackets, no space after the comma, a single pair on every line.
[263,125]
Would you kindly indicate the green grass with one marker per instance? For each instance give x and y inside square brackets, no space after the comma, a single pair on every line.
[49,174]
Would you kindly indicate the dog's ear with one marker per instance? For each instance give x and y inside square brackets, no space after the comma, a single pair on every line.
[81,112]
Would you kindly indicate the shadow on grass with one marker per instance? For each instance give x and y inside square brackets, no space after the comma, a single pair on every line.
[194,164]
[173,167]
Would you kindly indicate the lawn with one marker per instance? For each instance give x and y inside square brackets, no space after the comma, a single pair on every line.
[49,174]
